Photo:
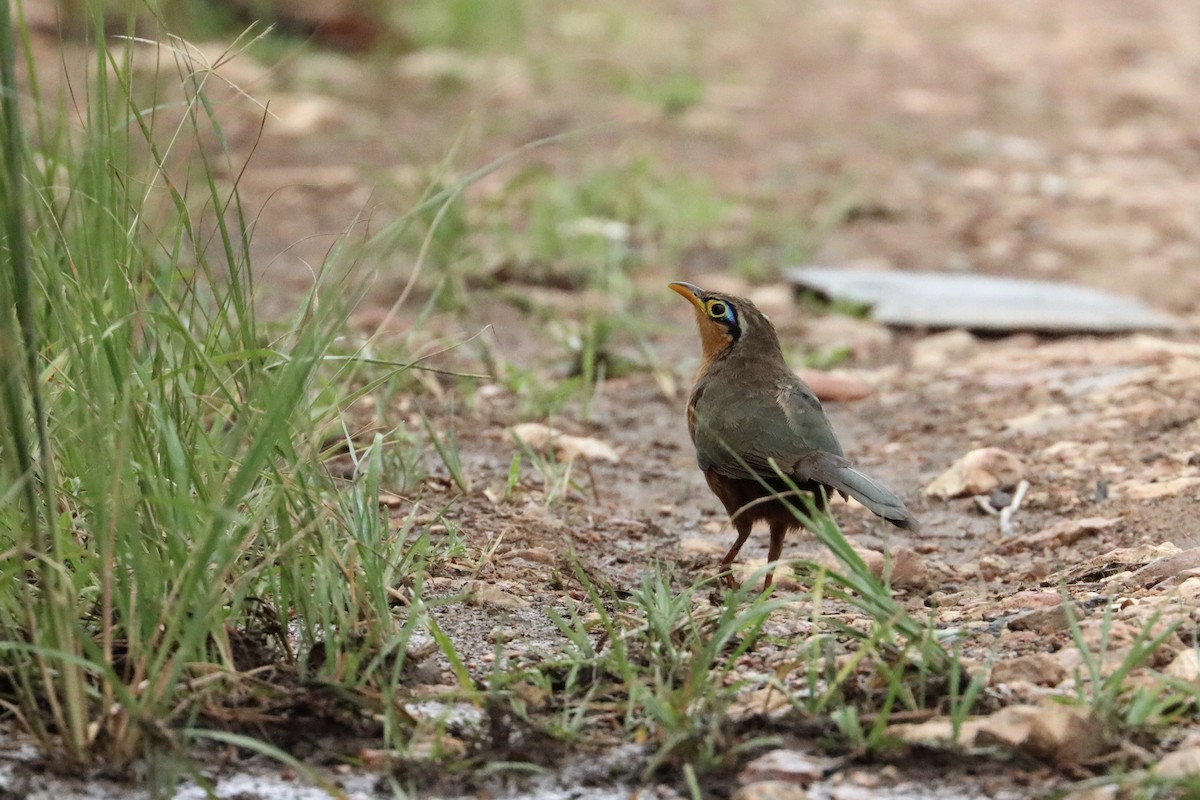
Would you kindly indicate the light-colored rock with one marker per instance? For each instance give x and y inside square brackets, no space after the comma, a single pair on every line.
[991,566]
[836,385]
[295,114]
[770,790]
[908,569]
[1043,620]
[1190,588]
[1111,636]
[875,560]
[1106,792]
[485,594]
[941,350]
[540,555]
[1042,419]
[1010,727]
[1040,669]
[537,513]
[389,500]
[441,64]
[1167,566]
[534,697]
[1029,599]
[1061,533]
[795,767]
[1183,763]
[983,302]
[1185,666]
[567,447]
[1053,732]
[1069,451]
[1074,660]
[1121,560]
[700,547]
[978,472]
[767,701]
[936,731]
[1138,490]
[905,567]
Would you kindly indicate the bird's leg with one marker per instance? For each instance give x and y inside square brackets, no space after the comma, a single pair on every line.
[778,531]
[743,527]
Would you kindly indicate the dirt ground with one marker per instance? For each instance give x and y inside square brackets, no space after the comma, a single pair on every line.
[1052,139]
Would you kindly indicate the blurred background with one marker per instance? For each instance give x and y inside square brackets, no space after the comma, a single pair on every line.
[1050,139]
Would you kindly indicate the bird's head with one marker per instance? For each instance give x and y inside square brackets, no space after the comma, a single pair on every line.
[725,321]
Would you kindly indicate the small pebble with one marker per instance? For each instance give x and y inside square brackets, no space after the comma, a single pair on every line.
[1000,499]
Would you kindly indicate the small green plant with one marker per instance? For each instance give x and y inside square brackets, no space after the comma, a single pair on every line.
[667,658]
[1108,693]
[673,92]
[488,25]
[595,229]
[446,445]
[963,700]
[827,359]
[514,478]
[816,303]
[555,473]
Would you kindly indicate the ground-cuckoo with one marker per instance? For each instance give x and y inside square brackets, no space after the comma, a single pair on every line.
[750,413]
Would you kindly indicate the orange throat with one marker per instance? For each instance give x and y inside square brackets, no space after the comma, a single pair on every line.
[714,340]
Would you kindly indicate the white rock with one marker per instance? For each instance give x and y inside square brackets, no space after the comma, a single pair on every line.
[1185,666]
[1053,732]
[1043,419]
[700,547]
[1180,764]
[1040,669]
[1137,490]
[485,594]
[1061,533]
[941,350]
[796,767]
[978,472]
[770,790]
[542,437]
[1108,792]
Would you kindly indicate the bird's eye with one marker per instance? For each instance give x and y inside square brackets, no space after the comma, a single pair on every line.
[717,309]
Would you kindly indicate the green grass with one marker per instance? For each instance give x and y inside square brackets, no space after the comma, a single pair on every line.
[165,507]
[673,91]
[466,24]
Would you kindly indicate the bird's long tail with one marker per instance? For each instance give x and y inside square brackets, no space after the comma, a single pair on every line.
[836,473]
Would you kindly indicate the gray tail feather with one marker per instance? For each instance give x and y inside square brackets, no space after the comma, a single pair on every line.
[863,488]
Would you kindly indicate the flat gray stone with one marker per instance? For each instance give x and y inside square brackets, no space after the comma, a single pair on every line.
[979,302]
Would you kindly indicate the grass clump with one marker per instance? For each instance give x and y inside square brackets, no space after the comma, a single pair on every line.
[614,218]
[166,519]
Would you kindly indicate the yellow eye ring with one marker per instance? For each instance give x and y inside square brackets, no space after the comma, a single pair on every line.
[717,309]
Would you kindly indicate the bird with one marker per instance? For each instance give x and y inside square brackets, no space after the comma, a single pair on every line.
[749,413]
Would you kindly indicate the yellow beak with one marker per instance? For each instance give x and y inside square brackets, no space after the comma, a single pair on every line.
[688,291]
